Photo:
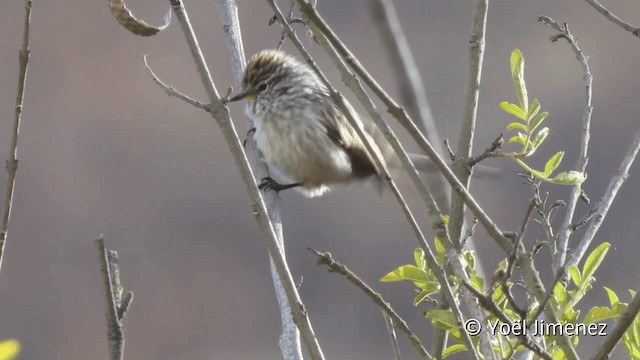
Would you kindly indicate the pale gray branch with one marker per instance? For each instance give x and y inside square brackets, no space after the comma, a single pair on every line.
[620,176]
[12,163]
[391,329]
[290,338]
[334,266]
[614,19]
[171,91]
[562,242]
[410,83]
[220,113]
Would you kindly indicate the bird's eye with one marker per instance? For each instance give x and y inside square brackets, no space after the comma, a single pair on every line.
[262,87]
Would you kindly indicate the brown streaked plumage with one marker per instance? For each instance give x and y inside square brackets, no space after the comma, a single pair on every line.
[301,133]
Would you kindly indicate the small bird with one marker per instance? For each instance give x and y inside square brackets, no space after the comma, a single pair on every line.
[304,137]
[302,134]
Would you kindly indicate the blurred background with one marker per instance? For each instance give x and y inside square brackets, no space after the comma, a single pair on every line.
[103,150]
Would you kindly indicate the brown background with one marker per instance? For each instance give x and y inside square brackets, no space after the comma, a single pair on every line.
[104,150]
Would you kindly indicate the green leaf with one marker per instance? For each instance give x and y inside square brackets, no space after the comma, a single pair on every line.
[470,258]
[444,319]
[553,163]
[575,275]
[594,260]
[476,281]
[598,314]
[538,139]
[431,286]
[568,178]
[514,110]
[517,126]
[517,73]
[537,120]
[533,110]
[407,272]
[9,349]
[558,354]
[421,296]
[453,349]
[539,174]
[520,138]
[613,298]
[560,293]
[440,249]
[418,256]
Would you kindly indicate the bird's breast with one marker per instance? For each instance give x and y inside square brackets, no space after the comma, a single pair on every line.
[301,148]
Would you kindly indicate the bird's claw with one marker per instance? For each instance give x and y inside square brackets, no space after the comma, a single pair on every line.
[251,131]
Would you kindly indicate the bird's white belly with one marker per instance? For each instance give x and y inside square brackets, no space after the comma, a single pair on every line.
[303,152]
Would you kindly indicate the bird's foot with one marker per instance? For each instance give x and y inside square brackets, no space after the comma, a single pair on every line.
[268,183]
[251,131]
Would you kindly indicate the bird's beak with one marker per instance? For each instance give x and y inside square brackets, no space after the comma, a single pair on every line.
[240,96]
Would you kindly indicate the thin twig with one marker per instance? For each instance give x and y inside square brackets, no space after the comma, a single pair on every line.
[614,19]
[621,174]
[407,75]
[324,258]
[116,305]
[488,152]
[391,329]
[564,233]
[283,34]
[289,343]
[171,91]
[12,163]
[461,166]
[626,319]
[220,113]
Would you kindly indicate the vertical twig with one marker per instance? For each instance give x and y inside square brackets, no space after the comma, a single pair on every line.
[220,113]
[461,166]
[562,242]
[392,336]
[410,82]
[290,337]
[615,184]
[12,163]
[467,129]
[116,305]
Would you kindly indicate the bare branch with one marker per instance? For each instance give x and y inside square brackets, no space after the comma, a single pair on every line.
[171,91]
[409,81]
[116,305]
[615,184]
[220,113]
[614,19]
[461,166]
[334,266]
[391,329]
[12,163]
[290,338]
[564,234]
